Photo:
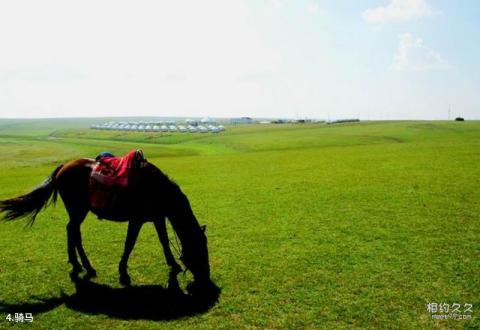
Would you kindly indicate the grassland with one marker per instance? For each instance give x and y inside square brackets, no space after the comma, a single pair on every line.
[310,226]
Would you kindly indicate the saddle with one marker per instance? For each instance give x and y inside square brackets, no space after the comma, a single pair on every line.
[113,177]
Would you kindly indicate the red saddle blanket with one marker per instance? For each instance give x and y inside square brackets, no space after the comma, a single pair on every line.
[112,175]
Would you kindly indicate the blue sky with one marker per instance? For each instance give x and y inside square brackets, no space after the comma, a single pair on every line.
[382,59]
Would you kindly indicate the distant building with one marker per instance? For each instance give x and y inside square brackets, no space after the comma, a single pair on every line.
[191,122]
[207,121]
[167,126]
[242,120]
[339,121]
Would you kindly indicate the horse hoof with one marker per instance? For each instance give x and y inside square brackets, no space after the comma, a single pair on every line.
[77,269]
[125,280]
[91,273]
[174,288]
[74,277]
[176,269]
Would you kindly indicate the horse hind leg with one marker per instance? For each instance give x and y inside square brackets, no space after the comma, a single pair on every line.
[132,234]
[72,253]
[74,241]
[91,272]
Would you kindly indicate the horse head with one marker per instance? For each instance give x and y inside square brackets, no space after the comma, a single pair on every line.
[195,252]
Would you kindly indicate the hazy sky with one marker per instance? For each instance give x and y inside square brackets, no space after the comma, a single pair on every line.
[373,59]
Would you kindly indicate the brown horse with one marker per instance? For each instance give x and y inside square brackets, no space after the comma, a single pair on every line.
[154,198]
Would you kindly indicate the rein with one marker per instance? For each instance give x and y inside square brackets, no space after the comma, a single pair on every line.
[176,246]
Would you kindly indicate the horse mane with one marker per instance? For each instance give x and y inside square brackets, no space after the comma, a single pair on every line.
[158,176]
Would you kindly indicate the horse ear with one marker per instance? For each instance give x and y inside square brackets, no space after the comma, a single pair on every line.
[204,227]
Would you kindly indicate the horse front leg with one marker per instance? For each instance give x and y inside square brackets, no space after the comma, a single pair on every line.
[160,226]
[132,234]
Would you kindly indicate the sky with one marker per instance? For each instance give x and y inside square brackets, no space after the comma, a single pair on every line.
[367,59]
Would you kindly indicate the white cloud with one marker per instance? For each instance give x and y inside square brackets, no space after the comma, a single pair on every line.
[398,11]
[413,55]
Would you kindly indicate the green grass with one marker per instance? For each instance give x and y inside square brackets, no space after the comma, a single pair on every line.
[310,226]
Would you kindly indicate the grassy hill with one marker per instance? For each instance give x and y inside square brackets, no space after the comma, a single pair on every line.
[309,225]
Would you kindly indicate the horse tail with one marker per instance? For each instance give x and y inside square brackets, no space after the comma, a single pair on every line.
[29,205]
